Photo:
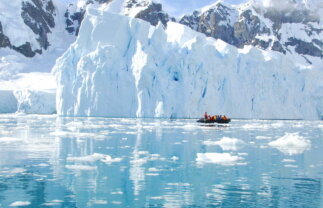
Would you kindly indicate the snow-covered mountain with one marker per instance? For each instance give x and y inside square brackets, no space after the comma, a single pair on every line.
[33,27]
[26,30]
[288,26]
[137,70]
[32,36]
[34,33]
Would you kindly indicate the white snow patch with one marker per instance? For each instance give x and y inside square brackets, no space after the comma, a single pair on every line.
[291,144]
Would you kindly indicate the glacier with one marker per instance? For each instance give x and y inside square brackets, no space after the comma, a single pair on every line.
[28,93]
[124,67]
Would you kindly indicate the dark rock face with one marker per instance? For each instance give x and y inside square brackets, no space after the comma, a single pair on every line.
[278,47]
[74,17]
[151,12]
[213,23]
[39,17]
[4,40]
[217,23]
[26,50]
[191,21]
[305,48]
[279,17]
[73,21]
[248,28]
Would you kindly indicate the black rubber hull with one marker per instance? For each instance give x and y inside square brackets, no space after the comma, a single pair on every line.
[202,120]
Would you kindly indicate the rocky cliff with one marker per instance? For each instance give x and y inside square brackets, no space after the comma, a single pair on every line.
[37,16]
[294,30]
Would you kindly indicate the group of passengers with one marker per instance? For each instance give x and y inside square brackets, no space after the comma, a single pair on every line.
[215,117]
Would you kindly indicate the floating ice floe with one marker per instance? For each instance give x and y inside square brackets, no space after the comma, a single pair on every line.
[262,137]
[20,204]
[290,166]
[13,171]
[10,140]
[291,144]
[227,143]
[95,157]
[219,158]
[55,202]
[80,167]
[108,159]
[97,201]
[288,161]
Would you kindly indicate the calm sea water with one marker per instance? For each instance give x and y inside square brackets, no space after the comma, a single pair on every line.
[47,161]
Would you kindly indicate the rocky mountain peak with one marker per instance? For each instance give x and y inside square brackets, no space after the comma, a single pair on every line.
[39,17]
[293,30]
[147,10]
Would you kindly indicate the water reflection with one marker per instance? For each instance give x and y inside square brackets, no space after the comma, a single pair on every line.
[99,162]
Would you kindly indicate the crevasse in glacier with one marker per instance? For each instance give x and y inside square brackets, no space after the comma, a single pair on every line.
[123,67]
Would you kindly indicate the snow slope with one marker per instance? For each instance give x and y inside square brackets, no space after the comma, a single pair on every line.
[18,32]
[137,70]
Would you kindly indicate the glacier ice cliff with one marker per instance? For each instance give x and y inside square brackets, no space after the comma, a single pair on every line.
[124,67]
[36,101]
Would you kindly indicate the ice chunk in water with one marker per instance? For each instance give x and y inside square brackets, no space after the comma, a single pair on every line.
[218,158]
[291,144]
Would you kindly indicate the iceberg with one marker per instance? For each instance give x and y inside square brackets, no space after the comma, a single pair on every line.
[124,67]
[291,144]
[227,143]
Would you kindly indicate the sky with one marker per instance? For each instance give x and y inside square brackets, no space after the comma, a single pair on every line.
[180,7]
